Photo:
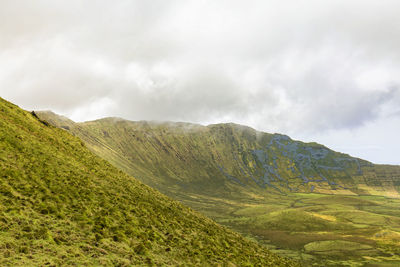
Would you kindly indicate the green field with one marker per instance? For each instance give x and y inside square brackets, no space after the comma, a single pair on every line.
[316,229]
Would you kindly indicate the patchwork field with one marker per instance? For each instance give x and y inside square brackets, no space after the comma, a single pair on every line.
[315,228]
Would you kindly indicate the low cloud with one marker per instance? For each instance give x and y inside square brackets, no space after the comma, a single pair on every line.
[301,67]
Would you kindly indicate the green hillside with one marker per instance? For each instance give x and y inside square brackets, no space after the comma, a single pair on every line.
[62,205]
[299,199]
[224,158]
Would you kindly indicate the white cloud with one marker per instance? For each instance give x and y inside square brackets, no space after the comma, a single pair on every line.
[306,68]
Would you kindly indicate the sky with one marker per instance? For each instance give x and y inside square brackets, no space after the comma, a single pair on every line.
[323,71]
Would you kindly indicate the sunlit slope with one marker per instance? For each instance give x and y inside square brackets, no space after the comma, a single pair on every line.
[225,159]
[62,205]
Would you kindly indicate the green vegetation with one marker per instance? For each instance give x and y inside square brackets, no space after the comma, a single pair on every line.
[62,205]
[299,199]
[333,247]
[322,230]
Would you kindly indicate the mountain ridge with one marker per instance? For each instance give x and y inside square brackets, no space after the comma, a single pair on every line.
[266,160]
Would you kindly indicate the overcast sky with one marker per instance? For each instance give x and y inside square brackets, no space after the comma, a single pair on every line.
[325,71]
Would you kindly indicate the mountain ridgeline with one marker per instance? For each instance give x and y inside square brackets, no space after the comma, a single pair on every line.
[228,159]
[62,205]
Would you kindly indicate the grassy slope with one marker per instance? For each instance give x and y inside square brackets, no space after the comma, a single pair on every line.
[60,204]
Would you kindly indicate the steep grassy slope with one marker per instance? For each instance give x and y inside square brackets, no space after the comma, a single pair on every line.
[61,204]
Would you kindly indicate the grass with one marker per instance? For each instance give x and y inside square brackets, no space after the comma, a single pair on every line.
[62,205]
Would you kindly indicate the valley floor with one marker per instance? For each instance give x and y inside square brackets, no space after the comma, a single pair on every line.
[314,228]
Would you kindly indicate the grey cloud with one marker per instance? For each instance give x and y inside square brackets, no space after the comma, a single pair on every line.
[298,67]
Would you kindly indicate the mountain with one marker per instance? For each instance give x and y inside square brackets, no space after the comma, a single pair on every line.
[227,157]
[62,205]
[301,200]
